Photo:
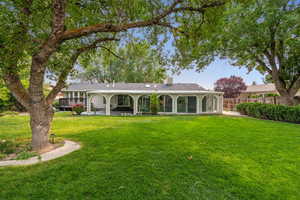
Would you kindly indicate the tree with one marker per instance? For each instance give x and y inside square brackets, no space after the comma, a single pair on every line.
[232,86]
[154,103]
[257,34]
[136,62]
[54,33]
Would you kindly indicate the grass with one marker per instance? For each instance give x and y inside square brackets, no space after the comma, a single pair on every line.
[147,158]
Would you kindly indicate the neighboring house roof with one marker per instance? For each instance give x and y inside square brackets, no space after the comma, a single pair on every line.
[260,88]
[263,88]
[133,86]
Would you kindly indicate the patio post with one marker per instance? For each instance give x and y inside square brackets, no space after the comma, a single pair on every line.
[174,99]
[221,104]
[107,108]
[88,104]
[135,104]
[198,104]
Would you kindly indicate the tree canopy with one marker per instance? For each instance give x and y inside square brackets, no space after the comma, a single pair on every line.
[232,86]
[50,35]
[256,34]
[135,62]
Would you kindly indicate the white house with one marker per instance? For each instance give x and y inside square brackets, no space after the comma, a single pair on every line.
[134,98]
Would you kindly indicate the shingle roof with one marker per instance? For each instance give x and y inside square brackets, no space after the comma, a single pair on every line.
[134,86]
[260,88]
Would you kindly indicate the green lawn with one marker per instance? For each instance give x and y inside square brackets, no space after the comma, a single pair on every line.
[146,158]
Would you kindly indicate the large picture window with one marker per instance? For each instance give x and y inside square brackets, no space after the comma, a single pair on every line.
[187,104]
[124,100]
[144,104]
[165,103]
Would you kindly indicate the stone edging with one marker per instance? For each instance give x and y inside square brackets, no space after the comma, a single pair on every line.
[68,147]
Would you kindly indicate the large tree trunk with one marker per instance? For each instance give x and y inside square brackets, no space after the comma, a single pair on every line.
[41,116]
[288,100]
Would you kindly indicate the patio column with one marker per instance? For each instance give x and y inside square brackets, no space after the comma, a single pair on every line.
[220,104]
[107,108]
[197,105]
[174,105]
[89,101]
[135,104]
[200,106]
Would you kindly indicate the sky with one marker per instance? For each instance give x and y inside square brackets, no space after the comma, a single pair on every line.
[218,69]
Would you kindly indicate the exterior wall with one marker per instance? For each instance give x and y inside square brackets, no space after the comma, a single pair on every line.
[98,102]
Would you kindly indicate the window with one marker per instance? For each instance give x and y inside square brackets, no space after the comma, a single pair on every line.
[123,100]
[187,104]
[165,103]
[144,104]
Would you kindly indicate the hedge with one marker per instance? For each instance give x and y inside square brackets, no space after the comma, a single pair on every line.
[270,111]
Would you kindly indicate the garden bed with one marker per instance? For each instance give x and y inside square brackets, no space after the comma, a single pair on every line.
[20,149]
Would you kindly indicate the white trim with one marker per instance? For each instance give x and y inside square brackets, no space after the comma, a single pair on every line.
[153,91]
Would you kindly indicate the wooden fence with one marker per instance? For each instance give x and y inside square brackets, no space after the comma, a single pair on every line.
[230,103]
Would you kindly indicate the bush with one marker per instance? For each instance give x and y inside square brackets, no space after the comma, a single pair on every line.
[56,104]
[25,155]
[154,104]
[270,111]
[7,147]
[78,108]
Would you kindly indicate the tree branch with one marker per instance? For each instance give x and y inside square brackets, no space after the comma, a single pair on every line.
[64,74]
[110,51]
[175,29]
[263,64]
[14,84]
[108,27]
[40,59]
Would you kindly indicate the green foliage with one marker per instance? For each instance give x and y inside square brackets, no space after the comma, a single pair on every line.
[2,156]
[245,33]
[10,113]
[7,147]
[272,95]
[137,62]
[25,155]
[271,112]
[56,104]
[78,109]
[154,104]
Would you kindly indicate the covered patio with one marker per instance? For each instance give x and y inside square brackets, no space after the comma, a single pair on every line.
[138,102]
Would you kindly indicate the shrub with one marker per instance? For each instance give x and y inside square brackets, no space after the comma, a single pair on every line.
[2,156]
[154,104]
[78,108]
[270,111]
[56,104]
[7,147]
[25,155]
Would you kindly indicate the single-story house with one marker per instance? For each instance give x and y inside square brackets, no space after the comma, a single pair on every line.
[134,98]
[260,90]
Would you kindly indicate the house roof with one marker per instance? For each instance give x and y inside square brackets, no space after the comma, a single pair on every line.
[260,88]
[134,86]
